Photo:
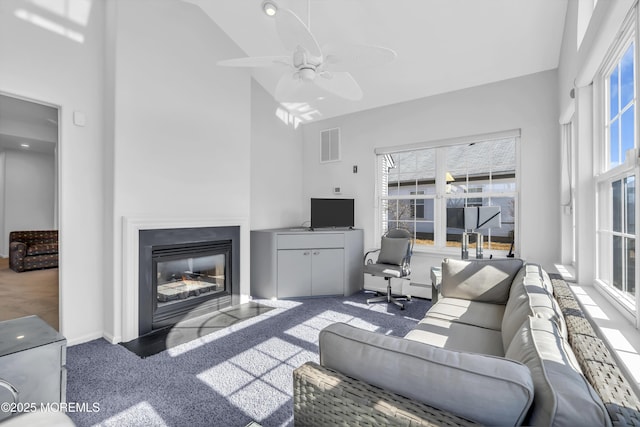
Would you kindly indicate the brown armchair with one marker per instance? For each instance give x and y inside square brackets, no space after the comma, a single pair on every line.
[33,250]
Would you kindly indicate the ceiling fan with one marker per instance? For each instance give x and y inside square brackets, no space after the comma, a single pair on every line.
[327,68]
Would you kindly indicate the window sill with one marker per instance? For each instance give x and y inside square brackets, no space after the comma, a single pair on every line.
[612,322]
[455,252]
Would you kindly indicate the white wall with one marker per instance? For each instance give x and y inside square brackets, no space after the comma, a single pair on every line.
[181,141]
[28,192]
[528,103]
[45,66]
[276,165]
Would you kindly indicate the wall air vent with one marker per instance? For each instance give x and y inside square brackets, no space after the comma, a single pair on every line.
[330,145]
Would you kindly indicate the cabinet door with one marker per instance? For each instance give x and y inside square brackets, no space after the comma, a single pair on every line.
[327,272]
[294,273]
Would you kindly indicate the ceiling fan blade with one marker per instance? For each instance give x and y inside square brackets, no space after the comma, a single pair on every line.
[256,61]
[288,88]
[293,33]
[347,57]
[340,83]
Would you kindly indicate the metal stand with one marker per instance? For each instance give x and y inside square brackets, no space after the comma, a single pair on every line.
[465,245]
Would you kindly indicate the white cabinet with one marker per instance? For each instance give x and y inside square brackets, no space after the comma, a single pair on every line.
[289,264]
[304,272]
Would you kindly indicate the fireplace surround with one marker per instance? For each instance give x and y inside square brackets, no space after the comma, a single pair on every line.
[186,272]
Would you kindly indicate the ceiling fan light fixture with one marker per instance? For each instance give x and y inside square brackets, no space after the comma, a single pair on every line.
[269,8]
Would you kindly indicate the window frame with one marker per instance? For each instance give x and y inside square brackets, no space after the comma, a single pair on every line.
[440,197]
[605,175]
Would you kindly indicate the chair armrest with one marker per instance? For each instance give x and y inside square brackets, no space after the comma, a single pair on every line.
[370,261]
[326,397]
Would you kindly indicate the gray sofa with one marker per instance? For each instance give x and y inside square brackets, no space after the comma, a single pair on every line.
[505,345]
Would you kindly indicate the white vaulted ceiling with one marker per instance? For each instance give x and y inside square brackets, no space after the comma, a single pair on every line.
[442,45]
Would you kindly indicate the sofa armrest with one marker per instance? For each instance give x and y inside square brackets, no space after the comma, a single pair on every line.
[17,252]
[484,280]
[325,397]
[453,381]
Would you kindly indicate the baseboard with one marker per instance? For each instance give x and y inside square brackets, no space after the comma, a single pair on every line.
[83,339]
[113,339]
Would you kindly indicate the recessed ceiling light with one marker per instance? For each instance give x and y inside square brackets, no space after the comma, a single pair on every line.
[24,145]
[269,8]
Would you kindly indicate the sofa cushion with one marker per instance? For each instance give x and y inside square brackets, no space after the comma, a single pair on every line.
[535,270]
[457,336]
[563,397]
[473,313]
[479,280]
[42,249]
[529,297]
[393,250]
[453,381]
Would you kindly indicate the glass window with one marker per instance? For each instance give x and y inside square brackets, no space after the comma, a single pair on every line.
[413,190]
[621,118]
[616,228]
[622,235]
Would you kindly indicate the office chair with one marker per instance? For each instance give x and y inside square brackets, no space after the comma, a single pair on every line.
[393,261]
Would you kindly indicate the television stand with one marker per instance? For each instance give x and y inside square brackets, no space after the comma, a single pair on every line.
[290,263]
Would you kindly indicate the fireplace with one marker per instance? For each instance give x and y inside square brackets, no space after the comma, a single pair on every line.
[186,272]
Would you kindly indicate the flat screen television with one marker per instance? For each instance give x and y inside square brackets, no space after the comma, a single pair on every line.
[332,213]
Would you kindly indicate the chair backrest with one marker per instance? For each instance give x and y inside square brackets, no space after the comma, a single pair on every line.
[396,247]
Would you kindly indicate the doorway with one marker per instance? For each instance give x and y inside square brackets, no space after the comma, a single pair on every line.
[29,134]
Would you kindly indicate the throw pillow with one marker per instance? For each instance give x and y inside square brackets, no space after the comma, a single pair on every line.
[393,250]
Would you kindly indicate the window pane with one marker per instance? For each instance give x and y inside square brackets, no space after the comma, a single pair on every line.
[627,132]
[407,225]
[630,193]
[631,266]
[482,166]
[501,238]
[405,210]
[617,262]
[616,199]
[626,77]
[425,225]
[614,144]
[613,93]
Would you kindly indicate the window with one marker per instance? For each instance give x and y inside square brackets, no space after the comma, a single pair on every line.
[616,177]
[621,120]
[408,192]
[418,184]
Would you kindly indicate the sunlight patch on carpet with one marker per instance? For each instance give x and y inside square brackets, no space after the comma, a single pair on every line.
[141,414]
[279,308]
[265,370]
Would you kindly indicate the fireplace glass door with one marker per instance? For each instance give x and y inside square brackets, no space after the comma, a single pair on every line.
[189,277]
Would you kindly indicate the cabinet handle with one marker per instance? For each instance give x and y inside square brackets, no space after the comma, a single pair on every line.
[316,253]
[305,253]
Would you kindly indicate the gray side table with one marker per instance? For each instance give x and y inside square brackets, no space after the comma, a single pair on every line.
[32,360]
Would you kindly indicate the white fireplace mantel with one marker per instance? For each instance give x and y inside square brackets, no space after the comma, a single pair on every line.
[131,227]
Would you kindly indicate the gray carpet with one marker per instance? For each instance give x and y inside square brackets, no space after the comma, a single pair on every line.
[231,377]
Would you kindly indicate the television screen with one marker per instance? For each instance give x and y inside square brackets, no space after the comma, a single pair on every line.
[332,213]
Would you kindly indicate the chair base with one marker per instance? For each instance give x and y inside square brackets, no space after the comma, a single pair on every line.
[389,298]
